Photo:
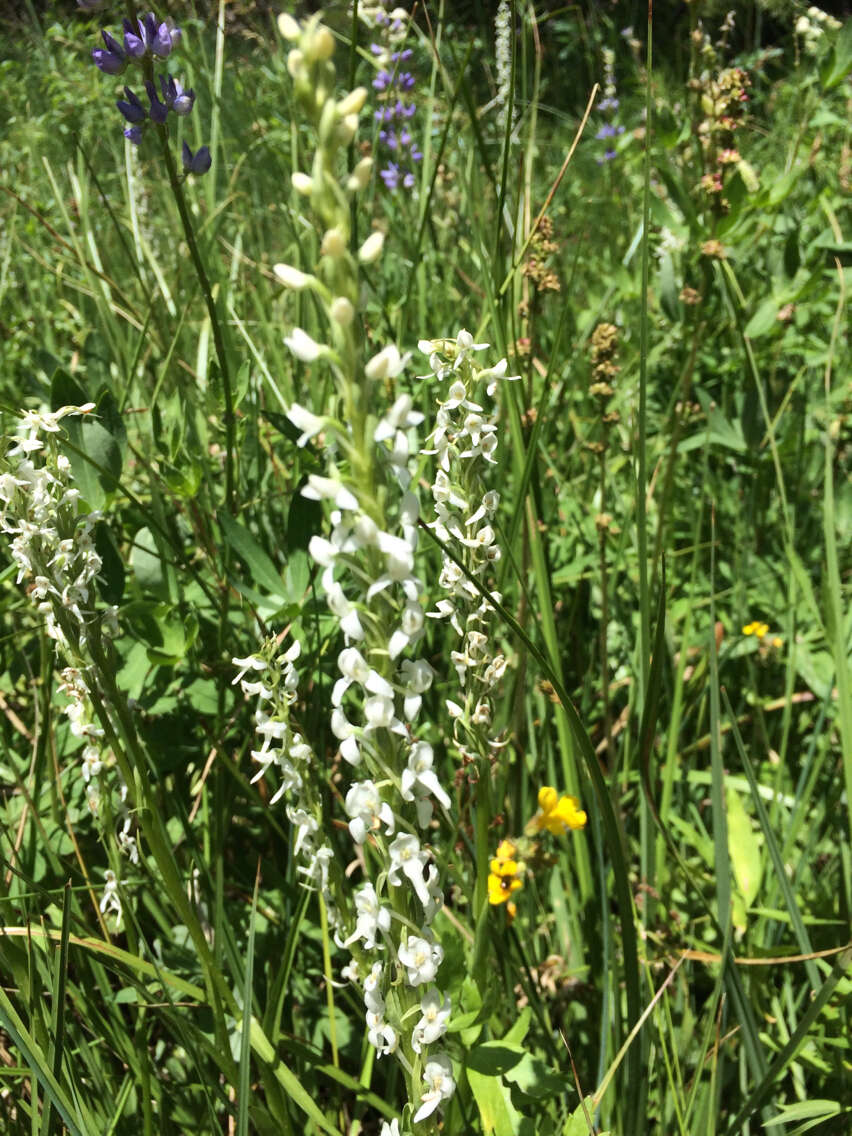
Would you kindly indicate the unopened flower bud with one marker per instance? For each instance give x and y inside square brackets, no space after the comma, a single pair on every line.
[371,249]
[360,176]
[353,102]
[302,346]
[291,277]
[342,311]
[320,45]
[295,63]
[348,128]
[302,184]
[288,27]
[333,242]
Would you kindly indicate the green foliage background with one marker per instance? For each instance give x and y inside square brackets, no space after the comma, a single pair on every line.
[727,761]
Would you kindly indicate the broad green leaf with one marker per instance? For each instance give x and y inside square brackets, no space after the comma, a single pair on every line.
[581,1120]
[744,847]
[839,62]
[494,1101]
[764,319]
[147,564]
[264,574]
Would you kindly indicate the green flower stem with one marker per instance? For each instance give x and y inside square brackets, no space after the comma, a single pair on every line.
[216,325]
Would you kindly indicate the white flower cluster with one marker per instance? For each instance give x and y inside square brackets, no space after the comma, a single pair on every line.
[274,681]
[463,441]
[812,27]
[503,55]
[367,575]
[370,586]
[51,543]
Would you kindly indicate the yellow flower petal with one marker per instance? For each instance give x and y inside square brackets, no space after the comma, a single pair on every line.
[547,798]
[504,867]
[501,887]
[558,813]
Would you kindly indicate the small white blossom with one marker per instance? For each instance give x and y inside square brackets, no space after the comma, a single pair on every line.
[440,1086]
[309,424]
[111,900]
[387,364]
[329,489]
[408,858]
[421,960]
[420,777]
[368,811]
[371,919]
[433,1023]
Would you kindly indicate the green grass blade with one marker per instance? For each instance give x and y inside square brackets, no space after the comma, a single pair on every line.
[35,1056]
[783,882]
[244,1088]
[57,1025]
[761,1093]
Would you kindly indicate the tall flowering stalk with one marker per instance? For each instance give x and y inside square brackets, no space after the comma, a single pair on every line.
[144,42]
[608,106]
[141,44]
[368,579]
[393,85]
[503,60]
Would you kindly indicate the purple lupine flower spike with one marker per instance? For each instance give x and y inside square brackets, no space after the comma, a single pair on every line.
[197,163]
[133,109]
[112,61]
[159,111]
[396,107]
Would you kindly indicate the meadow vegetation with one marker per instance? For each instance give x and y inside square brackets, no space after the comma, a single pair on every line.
[424,625]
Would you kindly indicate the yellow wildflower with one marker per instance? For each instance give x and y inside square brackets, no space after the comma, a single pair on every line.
[506,850]
[756,628]
[557,814]
[503,880]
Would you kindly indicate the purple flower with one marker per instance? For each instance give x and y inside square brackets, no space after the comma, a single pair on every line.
[606,131]
[608,104]
[133,110]
[175,96]
[159,111]
[390,175]
[152,37]
[133,134]
[197,163]
[113,60]
[382,80]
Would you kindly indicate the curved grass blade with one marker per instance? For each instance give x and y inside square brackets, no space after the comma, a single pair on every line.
[35,1056]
